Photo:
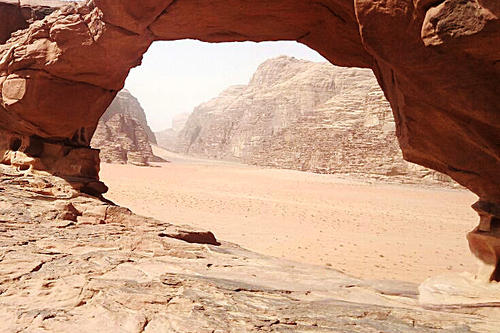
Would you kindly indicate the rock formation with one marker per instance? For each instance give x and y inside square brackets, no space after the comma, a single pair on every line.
[123,135]
[125,103]
[168,137]
[437,63]
[302,115]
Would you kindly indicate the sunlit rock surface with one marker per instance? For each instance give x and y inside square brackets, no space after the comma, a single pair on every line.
[126,103]
[19,14]
[458,290]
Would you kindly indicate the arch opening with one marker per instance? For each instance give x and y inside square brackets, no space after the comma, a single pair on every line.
[181,182]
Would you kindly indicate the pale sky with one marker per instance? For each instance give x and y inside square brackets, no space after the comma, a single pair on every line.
[177,76]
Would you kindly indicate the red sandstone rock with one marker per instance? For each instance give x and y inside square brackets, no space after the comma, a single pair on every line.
[126,103]
[67,212]
[15,15]
[436,62]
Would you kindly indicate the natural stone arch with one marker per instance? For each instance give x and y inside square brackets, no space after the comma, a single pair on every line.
[436,62]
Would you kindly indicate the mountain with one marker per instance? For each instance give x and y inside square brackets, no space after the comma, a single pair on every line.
[303,115]
[168,137]
[123,134]
[125,103]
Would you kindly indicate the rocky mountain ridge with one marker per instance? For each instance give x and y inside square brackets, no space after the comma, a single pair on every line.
[307,116]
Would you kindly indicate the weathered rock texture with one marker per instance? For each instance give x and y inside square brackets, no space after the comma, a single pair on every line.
[19,14]
[437,63]
[168,137]
[78,165]
[71,263]
[123,134]
[303,115]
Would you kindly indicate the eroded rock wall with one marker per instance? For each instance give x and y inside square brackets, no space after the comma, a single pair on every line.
[19,14]
[307,116]
[121,139]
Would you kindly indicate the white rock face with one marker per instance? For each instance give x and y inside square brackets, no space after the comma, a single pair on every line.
[303,115]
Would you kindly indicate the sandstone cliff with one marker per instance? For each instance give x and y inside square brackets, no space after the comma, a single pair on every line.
[302,115]
[123,135]
[168,137]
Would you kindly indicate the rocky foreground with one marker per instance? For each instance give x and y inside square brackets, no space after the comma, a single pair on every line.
[302,115]
[70,262]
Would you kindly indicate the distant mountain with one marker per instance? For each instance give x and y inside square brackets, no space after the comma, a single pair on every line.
[123,134]
[303,115]
[168,137]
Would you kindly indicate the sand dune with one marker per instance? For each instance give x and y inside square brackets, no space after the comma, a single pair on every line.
[374,231]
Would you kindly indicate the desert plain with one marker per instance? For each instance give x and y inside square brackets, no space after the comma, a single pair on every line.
[359,226]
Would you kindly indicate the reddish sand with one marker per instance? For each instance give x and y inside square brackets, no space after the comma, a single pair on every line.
[374,231]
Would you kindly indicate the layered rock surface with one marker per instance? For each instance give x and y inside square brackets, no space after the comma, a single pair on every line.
[302,115]
[123,134]
[71,263]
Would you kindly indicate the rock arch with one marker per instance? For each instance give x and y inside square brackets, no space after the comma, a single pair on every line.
[437,62]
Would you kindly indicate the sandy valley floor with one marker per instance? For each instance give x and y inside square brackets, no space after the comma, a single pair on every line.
[372,231]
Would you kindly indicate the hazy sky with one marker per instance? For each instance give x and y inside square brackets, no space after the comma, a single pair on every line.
[177,76]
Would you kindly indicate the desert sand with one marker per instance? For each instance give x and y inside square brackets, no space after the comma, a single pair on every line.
[369,230]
